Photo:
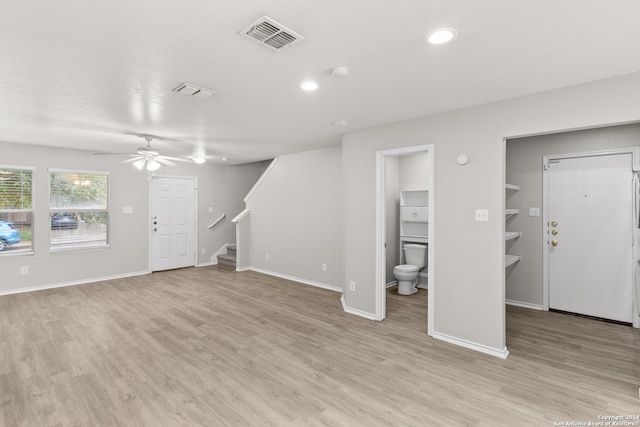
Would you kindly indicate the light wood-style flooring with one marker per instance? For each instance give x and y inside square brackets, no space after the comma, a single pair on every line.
[211,347]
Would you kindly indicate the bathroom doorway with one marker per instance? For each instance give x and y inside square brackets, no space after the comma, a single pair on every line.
[389,182]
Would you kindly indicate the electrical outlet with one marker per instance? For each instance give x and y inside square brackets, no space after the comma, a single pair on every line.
[534,211]
[352,286]
[24,269]
[266,256]
[324,267]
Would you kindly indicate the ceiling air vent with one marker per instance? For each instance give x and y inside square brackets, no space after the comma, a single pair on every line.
[270,33]
[188,89]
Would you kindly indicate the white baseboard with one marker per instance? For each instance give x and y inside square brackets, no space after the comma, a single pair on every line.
[356,311]
[73,283]
[524,305]
[502,354]
[206,264]
[390,284]
[294,279]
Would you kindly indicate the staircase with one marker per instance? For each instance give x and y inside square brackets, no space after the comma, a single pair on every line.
[228,261]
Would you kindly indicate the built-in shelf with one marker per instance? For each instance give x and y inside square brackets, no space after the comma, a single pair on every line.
[510,189]
[510,235]
[510,259]
[414,216]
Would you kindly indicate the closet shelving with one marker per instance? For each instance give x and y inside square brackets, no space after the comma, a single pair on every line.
[510,259]
[510,235]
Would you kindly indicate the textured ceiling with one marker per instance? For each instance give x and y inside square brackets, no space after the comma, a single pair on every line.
[92,74]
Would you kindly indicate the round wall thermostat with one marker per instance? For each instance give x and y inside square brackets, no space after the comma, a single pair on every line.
[462,159]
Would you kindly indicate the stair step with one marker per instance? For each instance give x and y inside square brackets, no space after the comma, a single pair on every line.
[227,261]
[227,257]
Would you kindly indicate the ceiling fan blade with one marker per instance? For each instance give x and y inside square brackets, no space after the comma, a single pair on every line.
[164,161]
[148,153]
[132,159]
[114,154]
[177,159]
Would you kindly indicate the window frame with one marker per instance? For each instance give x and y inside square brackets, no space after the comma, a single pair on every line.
[31,211]
[51,211]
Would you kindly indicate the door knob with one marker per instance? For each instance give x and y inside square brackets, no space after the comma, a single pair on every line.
[554,223]
[155,222]
[554,232]
[155,228]
[554,243]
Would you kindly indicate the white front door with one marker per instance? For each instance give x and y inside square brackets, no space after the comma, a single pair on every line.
[173,223]
[590,236]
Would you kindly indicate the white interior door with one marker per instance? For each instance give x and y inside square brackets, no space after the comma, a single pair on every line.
[173,223]
[590,236]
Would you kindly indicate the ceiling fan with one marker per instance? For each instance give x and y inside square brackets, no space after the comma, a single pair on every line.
[149,158]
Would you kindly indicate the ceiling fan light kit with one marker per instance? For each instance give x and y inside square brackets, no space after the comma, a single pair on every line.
[150,159]
[148,164]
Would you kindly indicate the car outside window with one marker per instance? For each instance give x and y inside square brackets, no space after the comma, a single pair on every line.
[78,209]
[16,210]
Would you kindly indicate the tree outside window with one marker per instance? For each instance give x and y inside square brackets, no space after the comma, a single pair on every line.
[78,209]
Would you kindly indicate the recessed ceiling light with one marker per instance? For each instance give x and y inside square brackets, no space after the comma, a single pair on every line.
[198,159]
[443,35]
[309,85]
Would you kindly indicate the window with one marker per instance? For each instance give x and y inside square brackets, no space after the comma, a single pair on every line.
[16,210]
[78,209]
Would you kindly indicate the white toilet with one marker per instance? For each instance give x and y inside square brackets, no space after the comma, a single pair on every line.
[409,275]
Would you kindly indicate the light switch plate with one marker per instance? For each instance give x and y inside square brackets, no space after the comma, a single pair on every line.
[534,211]
[482,214]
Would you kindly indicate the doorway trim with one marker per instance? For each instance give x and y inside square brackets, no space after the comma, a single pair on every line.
[635,155]
[381,288]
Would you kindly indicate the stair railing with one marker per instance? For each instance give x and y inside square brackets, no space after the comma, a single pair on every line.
[216,222]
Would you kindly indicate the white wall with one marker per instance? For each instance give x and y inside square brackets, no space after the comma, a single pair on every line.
[222,187]
[414,171]
[524,168]
[296,217]
[468,286]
